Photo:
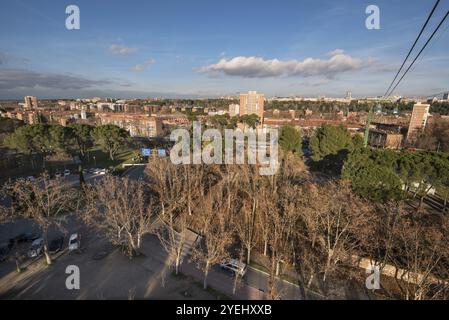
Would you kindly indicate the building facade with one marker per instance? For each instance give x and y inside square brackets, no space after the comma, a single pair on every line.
[30,102]
[234,110]
[252,103]
[418,121]
[138,125]
[383,139]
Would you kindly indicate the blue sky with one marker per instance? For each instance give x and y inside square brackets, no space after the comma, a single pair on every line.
[209,48]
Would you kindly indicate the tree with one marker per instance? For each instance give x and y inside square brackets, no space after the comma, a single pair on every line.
[333,220]
[215,224]
[247,182]
[83,138]
[120,209]
[370,179]
[60,139]
[167,185]
[282,224]
[330,146]
[172,235]
[251,120]
[110,138]
[44,201]
[22,140]
[421,251]
[290,140]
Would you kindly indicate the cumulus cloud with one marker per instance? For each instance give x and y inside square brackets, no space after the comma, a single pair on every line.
[121,50]
[21,78]
[141,67]
[335,52]
[257,67]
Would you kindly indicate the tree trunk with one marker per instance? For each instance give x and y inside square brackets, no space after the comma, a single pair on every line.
[111,155]
[18,265]
[47,255]
[248,258]
[177,265]
[139,240]
[265,248]
[206,272]
[234,287]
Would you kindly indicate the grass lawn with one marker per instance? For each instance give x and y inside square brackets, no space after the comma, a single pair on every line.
[97,158]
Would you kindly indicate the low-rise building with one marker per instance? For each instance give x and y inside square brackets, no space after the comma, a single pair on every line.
[384,139]
[138,125]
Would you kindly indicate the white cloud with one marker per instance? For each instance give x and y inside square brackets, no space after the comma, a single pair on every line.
[335,52]
[121,50]
[138,68]
[141,67]
[257,67]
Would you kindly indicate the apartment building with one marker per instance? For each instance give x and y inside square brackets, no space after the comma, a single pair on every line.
[418,121]
[138,125]
[252,103]
[30,103]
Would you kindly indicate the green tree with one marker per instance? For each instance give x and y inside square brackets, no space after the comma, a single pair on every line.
[29,139]
[60,139]
[290,140]
[82,134]
[370,179]
[330,140]
[110,138]
[251,120]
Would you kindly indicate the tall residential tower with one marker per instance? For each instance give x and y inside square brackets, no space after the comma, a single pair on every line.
[252,103]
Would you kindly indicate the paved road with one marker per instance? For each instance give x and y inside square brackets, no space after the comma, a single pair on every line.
[255,282]
[70,225]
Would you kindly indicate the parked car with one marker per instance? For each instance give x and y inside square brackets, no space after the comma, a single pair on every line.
[16,240]
[36,249]
[66,172]
[23,237]
[234,266]
[74,242]
[55,245]
[58,175]
[99,171]
[4,250]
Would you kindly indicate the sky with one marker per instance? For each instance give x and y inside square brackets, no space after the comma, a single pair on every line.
[209,48]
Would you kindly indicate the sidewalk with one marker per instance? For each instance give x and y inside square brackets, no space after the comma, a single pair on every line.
[223,283]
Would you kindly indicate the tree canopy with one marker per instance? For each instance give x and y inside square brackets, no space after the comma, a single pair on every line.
[290,140]
[111,138]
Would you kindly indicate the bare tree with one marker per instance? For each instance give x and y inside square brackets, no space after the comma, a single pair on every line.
[44,201]
[249,186]
[172,235]
[122,210]
[331,220]
[215,223]
[421,253]
[166,182]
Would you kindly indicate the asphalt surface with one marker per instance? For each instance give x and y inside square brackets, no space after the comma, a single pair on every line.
[254,278]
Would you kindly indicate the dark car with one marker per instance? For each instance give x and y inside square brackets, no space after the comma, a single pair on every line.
[56,245]
[30,237]
[23,237]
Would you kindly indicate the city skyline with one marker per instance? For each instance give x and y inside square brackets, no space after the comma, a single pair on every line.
[204,49]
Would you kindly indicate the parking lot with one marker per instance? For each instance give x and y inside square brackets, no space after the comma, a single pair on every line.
[105,273]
